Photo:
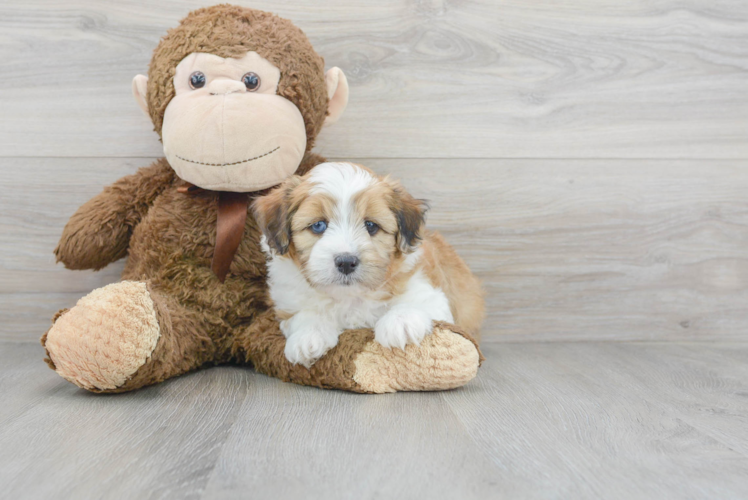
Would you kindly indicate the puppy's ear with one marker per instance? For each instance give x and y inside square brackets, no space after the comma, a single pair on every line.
[273,214]
[411,217]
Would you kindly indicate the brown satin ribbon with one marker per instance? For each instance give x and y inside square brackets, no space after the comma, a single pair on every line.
[232,214]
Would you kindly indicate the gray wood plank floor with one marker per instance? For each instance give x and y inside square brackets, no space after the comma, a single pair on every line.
[541,420]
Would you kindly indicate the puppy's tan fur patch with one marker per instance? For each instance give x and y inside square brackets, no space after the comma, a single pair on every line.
[388,263]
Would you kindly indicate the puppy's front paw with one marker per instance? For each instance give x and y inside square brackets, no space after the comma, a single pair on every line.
[308,337]
[305,348]
[400,327]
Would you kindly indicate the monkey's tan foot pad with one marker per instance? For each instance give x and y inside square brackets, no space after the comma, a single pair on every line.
[105,338]
[444,360]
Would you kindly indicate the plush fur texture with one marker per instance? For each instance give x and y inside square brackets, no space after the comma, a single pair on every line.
[231,31]
[223,136]
[446,361]
[403,279]
[168,237]
[119,329]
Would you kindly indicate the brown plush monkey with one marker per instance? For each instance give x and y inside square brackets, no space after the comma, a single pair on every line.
[238,97]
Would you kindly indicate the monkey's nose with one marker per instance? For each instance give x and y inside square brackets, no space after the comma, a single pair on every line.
[223,86]
[346,263]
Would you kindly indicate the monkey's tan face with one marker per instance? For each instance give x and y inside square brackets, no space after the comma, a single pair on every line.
[227,129]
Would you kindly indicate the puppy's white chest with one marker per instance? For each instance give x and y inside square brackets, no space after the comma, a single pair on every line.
[360,312]
[349,307]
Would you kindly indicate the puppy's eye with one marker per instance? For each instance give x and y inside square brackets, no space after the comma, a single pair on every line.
[371,227]
[251,81]
[197,80]
[318,227]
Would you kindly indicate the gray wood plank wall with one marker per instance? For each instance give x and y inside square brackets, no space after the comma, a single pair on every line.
[588,158]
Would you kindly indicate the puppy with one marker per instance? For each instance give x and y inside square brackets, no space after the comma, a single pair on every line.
[347,249]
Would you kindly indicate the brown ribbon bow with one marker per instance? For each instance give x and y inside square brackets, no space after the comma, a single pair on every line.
[232,215]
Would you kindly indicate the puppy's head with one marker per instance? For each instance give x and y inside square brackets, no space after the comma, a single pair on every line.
[341,224]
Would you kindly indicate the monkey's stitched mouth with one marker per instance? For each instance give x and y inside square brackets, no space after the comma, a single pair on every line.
[229,164]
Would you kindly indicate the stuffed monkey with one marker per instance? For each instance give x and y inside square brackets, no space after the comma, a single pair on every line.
[237,97]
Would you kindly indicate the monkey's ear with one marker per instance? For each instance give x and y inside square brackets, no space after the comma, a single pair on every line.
[337,91]
[140,91]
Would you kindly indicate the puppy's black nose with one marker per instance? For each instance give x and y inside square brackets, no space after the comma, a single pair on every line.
[346,263]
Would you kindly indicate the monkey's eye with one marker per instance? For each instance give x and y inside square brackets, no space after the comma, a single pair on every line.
[251,81]
[197,80]
[318,227]
[371,227]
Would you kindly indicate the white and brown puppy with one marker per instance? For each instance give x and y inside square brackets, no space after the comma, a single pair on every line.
[347,249]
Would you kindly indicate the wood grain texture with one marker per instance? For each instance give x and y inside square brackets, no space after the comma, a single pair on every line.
[611,420]
[593,249]
[649,243]
[571,420]
[567,250]
[429,78]
[337,445]
[158,443]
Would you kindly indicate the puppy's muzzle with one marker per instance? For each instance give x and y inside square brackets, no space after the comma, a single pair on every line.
[346,263]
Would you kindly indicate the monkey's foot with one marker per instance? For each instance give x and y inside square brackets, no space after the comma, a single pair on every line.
[102,341]
[443,360]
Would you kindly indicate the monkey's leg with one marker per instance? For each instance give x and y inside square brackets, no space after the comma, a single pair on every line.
[445,359]
[125,336]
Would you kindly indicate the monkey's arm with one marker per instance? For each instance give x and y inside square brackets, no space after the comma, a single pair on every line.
[99,231]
